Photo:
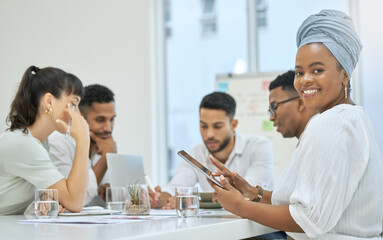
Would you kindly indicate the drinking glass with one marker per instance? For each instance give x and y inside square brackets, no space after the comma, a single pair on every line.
[187,201]
[46,203]
[115,198]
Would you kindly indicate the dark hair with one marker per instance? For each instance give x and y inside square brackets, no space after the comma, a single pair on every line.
[286,81]
[219,100]
[34,84]
[95,93]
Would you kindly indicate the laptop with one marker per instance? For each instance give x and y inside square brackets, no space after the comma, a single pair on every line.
[125,169]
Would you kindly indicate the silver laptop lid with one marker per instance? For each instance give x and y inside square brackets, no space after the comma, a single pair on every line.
[125,169]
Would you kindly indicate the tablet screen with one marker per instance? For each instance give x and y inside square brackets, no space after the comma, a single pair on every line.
[198,166]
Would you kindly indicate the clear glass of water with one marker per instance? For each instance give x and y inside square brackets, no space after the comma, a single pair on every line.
[46,203]
[115,198]
[187,201]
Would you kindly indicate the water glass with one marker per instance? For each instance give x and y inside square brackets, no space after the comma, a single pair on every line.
[115,198]
[46,203]
[187,201]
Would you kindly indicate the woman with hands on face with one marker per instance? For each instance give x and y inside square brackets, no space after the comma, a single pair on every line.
[46,101]
[329,188]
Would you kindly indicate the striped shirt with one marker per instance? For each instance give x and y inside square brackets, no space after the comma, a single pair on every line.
[333,183]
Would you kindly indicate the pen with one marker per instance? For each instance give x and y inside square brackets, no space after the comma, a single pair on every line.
[70,123]
[148,181]
[150,185]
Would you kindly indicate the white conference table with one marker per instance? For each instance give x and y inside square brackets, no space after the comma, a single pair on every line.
[220,225]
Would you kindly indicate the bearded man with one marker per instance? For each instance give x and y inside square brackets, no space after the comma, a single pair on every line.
[251,156]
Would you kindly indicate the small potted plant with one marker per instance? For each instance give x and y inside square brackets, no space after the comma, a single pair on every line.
[137,200]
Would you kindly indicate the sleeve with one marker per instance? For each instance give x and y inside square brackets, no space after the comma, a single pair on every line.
[92,190]
[62,151]
[332,163]
[185,176]
[33,164]
[260,170]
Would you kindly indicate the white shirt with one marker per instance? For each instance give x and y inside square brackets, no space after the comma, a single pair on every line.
[62,151]
[252,158]
[333,183]
[24,166]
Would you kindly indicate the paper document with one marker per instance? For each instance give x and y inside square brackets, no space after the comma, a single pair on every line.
[91,210]
[111,219]
[172,212]
[81,218]
[73,220]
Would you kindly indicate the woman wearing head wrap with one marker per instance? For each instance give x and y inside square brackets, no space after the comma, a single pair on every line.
[331,188]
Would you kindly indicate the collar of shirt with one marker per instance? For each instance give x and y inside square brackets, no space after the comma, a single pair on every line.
[45,144]
[239,146]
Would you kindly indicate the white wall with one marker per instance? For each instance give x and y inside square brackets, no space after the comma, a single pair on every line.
[371,32]
[100,41]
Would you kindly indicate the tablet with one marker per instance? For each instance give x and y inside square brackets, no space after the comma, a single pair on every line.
[198,166]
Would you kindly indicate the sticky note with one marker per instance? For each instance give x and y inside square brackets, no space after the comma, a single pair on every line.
[223,86]
[267,125]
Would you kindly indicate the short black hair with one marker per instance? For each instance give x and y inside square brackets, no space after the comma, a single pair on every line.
[221,101]
[95,93]
[286,80]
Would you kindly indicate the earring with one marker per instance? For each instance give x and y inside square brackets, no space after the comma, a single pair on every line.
[49,112]
[345,91]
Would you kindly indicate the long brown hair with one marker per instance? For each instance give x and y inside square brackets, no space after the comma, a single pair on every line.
[34,84]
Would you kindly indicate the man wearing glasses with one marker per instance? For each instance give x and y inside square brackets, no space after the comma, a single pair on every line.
[286,109]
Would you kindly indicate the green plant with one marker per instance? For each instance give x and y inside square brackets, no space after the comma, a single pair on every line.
[137,200]
[134,193]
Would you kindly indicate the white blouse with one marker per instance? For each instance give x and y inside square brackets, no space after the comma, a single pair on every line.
[333,183]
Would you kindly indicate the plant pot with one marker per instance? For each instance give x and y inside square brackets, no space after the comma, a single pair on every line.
[137,200]
[133,209]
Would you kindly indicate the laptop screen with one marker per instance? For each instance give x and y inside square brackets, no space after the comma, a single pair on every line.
[125,169]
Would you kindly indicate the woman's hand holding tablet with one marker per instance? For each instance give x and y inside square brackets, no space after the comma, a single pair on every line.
[199,167]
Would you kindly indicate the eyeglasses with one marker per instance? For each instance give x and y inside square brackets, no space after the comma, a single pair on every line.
[274,106]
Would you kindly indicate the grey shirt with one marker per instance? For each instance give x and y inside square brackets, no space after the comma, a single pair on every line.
[24,166]
[62,151]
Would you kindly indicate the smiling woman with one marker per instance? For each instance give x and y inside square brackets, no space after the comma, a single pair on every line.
[329,189]
[330,197]
[319,80]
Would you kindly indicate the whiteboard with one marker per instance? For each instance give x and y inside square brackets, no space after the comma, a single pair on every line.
[251,92]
